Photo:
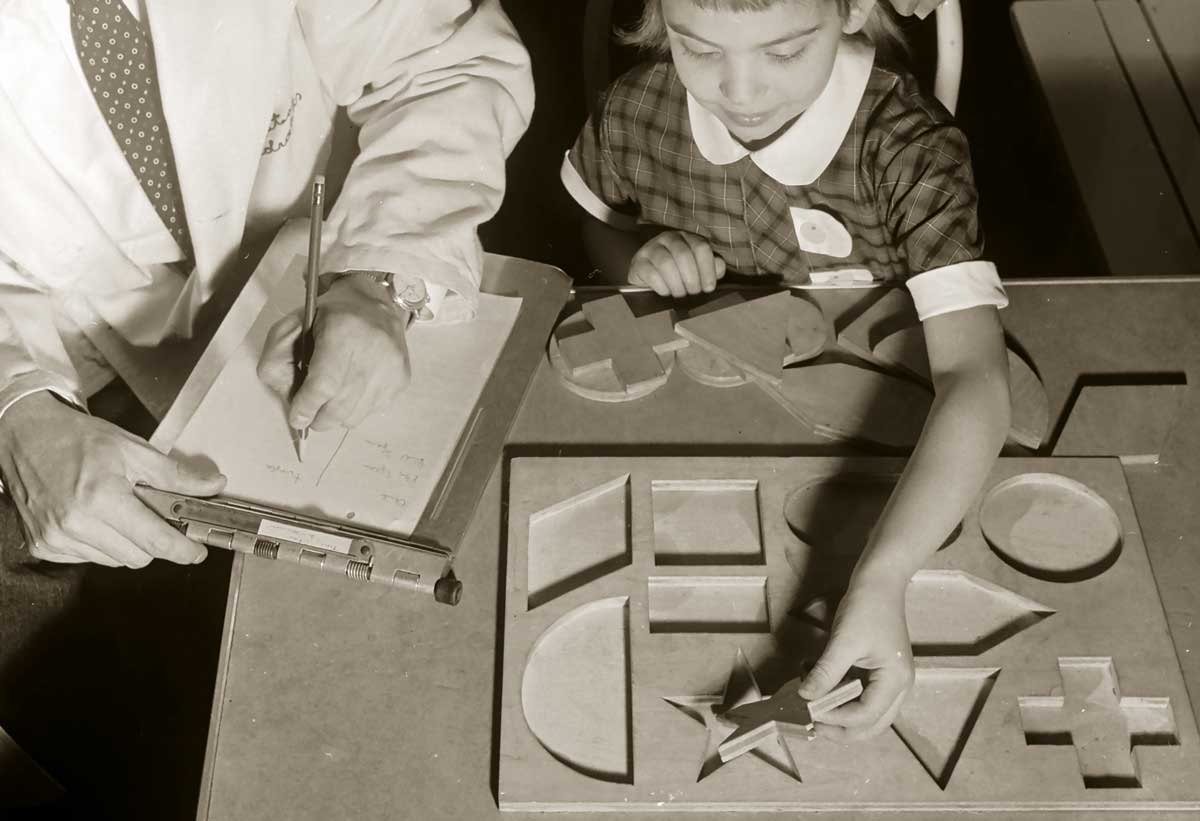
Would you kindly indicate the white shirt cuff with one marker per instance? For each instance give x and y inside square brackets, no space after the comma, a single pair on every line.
[956,288]
[587,199]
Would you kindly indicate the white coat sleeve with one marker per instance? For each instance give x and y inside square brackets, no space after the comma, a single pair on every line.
[32,357]
[442,91]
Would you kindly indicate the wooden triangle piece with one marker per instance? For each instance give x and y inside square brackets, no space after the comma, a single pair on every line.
[843,401]
[751,335]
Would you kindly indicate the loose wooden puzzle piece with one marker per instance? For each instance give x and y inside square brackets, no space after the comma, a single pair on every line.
[611,362]
[1051,527]
[1103,726]
[616,693]
[784,711]
[893,311]
[1130,421]
[1030,407]
[742,688]
[844,401]
[751,335]
[702,364]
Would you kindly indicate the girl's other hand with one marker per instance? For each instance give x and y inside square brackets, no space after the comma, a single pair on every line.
[676,263]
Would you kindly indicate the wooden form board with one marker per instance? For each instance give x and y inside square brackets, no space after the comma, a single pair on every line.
[1129,421]
[1082,54]
[1026,691]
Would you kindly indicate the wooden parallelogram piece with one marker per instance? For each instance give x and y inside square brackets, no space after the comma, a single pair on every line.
[844,401]
[751,335]
[905,349]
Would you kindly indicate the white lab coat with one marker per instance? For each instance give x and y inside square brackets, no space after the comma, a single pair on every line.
[249,90]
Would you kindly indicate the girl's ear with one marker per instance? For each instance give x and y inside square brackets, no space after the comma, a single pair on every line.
[857,15]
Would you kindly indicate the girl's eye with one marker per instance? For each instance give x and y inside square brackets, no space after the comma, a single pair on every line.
[786,58]
[700,55]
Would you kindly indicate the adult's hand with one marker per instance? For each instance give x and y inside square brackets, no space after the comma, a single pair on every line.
[869,632]
[921,8]
[359,363]
[71,478]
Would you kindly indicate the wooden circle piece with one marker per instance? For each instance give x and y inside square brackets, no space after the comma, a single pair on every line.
[1051,527]
[600,383]
[709,369]
[807,331]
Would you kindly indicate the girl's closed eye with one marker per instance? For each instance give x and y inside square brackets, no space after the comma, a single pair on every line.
[786,57]
[699,54]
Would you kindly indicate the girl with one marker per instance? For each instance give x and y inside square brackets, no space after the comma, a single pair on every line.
[773,142]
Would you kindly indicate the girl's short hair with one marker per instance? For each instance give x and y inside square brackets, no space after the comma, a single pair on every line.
[882,28]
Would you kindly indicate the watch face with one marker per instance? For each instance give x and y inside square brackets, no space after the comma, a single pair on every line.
[411,292]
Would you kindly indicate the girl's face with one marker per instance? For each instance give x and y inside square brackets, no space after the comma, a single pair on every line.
[755,70]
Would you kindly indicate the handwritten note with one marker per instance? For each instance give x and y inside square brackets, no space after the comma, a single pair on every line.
[380,474]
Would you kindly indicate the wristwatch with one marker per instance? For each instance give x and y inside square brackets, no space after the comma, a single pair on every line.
[405,292]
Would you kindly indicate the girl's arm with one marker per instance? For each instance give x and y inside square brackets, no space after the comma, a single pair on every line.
[962,437]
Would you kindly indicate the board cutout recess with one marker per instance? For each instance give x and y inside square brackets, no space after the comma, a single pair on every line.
[706,522]
[598,517]
[575,691]
[708,604]
[1051,527]
[939,714]
[1105,728]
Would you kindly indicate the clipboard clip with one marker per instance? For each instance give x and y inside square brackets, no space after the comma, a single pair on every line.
[356,553]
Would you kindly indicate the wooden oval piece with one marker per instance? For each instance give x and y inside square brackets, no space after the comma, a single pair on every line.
[1051,527]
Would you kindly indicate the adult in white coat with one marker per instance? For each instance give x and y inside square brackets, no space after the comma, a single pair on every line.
[441,90]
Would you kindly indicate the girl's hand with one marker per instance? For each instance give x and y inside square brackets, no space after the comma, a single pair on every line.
[869,632]
[676,263]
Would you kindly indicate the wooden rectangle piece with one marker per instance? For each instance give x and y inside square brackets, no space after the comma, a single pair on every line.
[1040,685]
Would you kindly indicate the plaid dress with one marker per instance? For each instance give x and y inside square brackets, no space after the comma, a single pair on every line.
[900,184]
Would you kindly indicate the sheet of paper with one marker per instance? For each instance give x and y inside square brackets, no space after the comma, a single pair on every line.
[380,474]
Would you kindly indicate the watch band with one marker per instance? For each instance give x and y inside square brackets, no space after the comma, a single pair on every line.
[408,293]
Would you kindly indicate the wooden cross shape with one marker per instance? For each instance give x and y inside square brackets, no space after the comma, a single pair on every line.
[1103,726]
[629,345]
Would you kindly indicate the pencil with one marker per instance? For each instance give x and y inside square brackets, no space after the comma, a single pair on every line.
[304,343]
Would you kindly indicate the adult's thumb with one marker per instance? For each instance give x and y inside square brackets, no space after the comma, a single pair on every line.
[830,669]
[194,477]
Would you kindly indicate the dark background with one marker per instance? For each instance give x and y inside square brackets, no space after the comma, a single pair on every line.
[1030,213]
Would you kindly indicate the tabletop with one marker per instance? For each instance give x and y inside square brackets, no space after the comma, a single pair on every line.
[335,701]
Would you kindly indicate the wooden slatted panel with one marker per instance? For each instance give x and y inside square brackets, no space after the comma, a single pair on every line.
[1134,210]
[1162,101]
[1177,24]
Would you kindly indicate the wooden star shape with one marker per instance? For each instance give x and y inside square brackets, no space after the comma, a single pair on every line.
[741,688]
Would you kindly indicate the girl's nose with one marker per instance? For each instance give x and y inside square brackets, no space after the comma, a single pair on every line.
[740,83]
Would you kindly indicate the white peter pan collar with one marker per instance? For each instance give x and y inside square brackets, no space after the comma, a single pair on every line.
[805,150]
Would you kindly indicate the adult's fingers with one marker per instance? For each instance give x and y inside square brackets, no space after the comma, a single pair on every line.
[324,382]
[904,7]
[142,527]
[176,475]
[276,365]
[82,553]
[103,546]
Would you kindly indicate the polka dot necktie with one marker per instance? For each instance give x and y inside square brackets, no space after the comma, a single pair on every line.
[118,61]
